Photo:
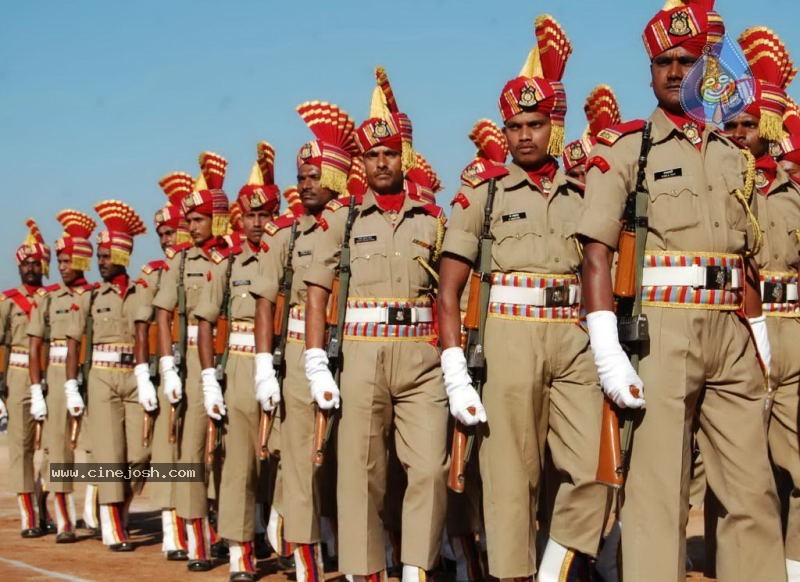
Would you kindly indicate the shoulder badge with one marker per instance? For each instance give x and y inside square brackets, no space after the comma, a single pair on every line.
[610,135]
[81,289]
[175,249]
[217,255]
[480,171]
[283,221]
[334,205]
[9,293]
[434,210]
[42,291]
[153,266]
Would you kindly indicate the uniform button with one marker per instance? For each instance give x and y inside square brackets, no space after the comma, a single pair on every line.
[244,294]
[716,224]
[557,260]
[552,231]
[366,256]
[772,223]
[709,188]
[775,256]
[399,280]
[396,254]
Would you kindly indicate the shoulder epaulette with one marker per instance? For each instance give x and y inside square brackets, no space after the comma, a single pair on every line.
[343,202]
[175,249]
[217,255]
[81,289]
[281,222]
[153,266]
[9,293]
[610,135]
[42,291]
[480,171]
[434,210]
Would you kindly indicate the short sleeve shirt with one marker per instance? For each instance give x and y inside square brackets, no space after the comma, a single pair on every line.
[779,217]
[195,269]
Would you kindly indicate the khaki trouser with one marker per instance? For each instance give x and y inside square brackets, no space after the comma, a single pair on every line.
[191,498]
[541,387]
[162,451]
[784,336]
[116,429]
[239,486]
[381,379]
[21,428]
[55,439]
[301,499]
[692,354]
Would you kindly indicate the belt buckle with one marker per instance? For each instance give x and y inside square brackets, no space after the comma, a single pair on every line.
[718,278]
[126,359]
[774,292]
[557,296]
[399,316]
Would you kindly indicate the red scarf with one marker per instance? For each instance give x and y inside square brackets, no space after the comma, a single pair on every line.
[79,282]
[390,202]
[120,284]
[769,168]
[546,170]
[681,120]
[31,289]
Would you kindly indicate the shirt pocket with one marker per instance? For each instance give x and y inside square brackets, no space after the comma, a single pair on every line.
[674,205]
[369,262]
[514,244]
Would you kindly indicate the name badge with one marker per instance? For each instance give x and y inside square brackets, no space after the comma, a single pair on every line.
[514,216]
[61,311]
[366,238]
[103,309]
[195,274]
[673,173]
[241,282]
[304,253]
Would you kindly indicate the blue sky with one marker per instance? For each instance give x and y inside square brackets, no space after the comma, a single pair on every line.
[101,99]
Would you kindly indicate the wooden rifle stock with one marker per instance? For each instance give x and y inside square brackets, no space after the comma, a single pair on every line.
[609,463]
[332,316]
[472,315]
[147,429]
[264,430]
[74,431]
[277,318]
[37,435]
[211,440]
[221,337]
[625,277]
[321,419]
[456,478]
[152,338]
[173,428]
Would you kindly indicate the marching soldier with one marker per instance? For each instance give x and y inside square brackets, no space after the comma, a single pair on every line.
[541,385]
[233,274]
[116,419]
[171,231]
[777,199]
[789,155]
[390,367]
[206,212]
[322,169]
[49,322]
[697,277]
[26,406]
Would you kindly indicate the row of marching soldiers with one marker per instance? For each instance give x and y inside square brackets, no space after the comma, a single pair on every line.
[314,334]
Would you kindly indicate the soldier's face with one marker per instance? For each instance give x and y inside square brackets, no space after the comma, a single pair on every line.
[578,173]
[667,72]
[68,274]
[30,271]
[384,169]
[313,196]
[253,223]
[199,227]
[108,270]
[166,236]
[792,169]
[528,134]
[744,131]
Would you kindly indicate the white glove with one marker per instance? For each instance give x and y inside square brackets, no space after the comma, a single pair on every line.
[170,381]
[320,380]
[615,370]
[212,394]
[759,327]
[460,391]
[268,393]
[75,403]
[3,414]
[144,388]
[38,405]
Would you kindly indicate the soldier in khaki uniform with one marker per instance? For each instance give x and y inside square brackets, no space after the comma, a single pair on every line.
[697,280]
[390,368]
[171,230]
[233,274]
[26,406]
[789,154]
[541,385]
[323,161]
[778,202]
[49,321]
[206,212]
[115,424]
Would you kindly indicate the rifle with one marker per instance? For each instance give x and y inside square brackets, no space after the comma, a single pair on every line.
[338,300]
[280,330]
[475,324]
[179,350]
[632,324]
[5,360]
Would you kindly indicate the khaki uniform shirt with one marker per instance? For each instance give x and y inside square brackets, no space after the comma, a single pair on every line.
[532,233]
[195,273]
[244,272]
[56,310]
[147,286]
[112,316]
[383,258]
[14,320]
[273,263]
[692,202]
[779,217]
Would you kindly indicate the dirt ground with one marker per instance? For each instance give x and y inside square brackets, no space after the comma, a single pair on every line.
[42,559]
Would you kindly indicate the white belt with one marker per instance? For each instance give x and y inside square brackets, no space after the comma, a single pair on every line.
[99,357]
[191,333]
[536,296]
[239,339]
[18,359]
[297,326]
[383,315]
[691,276]
[59,352]
[789,288]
